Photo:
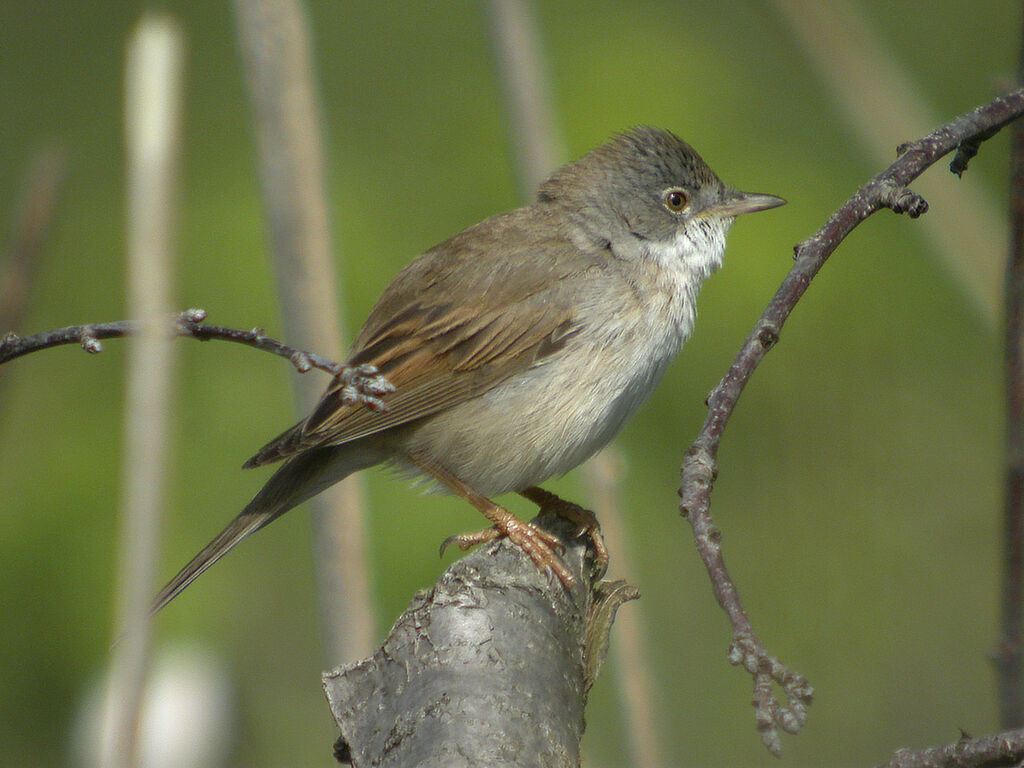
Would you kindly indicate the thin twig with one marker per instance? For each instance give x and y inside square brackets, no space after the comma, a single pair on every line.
[1003,749]
[188,324]
[1007,657]
[887,190]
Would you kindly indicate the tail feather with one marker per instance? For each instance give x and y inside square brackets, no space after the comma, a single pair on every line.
[284,445]
[298,479]
[249,521]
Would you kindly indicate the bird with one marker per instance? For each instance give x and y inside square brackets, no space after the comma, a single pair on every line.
[516,349]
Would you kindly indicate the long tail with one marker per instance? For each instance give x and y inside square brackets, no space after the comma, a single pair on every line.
[249,521]
[297,479]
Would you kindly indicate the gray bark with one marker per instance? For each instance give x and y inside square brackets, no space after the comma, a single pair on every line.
[490,667]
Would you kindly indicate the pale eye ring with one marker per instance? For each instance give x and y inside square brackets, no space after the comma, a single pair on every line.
[675,200]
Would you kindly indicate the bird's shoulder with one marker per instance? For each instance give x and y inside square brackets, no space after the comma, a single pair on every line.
[501,263]
[464,316]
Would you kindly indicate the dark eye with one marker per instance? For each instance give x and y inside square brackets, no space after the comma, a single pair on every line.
[676,200]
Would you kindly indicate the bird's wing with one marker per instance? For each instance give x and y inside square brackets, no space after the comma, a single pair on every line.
[454,324]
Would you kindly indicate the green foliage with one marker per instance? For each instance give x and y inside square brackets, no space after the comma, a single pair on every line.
[860,484]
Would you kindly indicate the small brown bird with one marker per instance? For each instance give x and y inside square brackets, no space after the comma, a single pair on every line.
[515,350]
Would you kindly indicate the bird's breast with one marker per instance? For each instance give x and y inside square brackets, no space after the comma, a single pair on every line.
[548,419]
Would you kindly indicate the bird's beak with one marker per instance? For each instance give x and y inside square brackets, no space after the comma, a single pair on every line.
[736,203]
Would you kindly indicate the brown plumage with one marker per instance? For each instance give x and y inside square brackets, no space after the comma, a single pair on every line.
[518,347]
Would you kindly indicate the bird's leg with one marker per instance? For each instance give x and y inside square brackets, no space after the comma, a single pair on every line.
[574,513]
[540,545]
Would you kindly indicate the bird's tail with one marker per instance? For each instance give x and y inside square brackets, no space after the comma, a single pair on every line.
[249,521]
[295,481]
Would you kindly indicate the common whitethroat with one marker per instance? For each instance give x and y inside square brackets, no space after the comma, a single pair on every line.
[513,351]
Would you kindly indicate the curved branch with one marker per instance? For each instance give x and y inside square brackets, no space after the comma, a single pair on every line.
[188,324]
[886,190]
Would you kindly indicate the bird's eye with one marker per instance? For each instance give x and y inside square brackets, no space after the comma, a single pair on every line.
[676,200]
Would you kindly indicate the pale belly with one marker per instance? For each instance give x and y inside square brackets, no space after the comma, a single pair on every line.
[548,420]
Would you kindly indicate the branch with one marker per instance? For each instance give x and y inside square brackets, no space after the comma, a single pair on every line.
[363,383]
[491,667]
[886,190]
[1003,749]
[188,324]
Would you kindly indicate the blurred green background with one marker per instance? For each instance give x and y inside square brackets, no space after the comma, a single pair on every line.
[860,481]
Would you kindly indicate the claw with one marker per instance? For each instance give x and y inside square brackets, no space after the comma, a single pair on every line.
[584,519]
[467,541]
[445,544]
[542,547]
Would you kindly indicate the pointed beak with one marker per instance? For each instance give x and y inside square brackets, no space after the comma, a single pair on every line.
[736,203]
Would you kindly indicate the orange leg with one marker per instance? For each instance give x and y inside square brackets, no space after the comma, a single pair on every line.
[540,545]
[574,513]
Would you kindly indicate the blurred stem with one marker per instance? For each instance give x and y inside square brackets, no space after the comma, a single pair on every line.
[1008,654]
[538,150]
[630,650]
[29,230]
[152,117]
[274,38]
[883,106]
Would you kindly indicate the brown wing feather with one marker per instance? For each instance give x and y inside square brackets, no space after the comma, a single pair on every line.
[441,371]
[442,338]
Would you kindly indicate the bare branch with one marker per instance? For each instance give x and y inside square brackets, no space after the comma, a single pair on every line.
[188,324]
[879,100]
[1003,749]
[886,190]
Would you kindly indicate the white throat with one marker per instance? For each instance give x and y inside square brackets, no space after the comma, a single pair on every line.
[695,252]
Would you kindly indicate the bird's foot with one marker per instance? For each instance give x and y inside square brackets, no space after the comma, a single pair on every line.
[541,546]
[584,519]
